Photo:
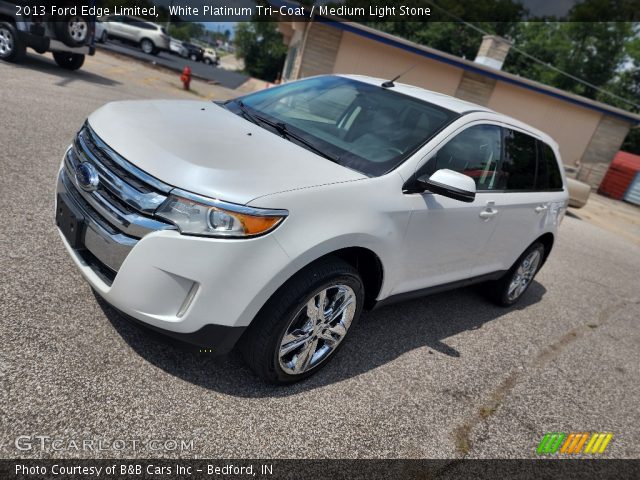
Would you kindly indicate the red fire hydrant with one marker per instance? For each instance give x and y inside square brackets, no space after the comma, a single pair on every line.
[185,78]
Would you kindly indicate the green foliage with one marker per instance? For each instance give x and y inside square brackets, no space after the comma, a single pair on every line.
[590,51]
[441,32]
[261,46]
[186,30]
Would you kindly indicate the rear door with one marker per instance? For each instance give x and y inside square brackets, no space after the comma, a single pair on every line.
[521,205]
[129,29]
[114,25]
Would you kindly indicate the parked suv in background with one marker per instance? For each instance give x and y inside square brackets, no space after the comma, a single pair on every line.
[274,219]
[151,38]
[194,52]
[67,37]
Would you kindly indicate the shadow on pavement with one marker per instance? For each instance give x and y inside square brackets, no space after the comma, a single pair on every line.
[46,64]
[381,336]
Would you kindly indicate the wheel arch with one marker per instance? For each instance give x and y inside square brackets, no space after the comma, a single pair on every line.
[547,240]
[368,265]
[142,39]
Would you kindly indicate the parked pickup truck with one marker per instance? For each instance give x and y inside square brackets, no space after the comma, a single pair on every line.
[68,37]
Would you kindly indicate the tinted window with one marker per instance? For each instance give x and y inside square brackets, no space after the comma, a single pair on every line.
[519,162]
[361,126]
[143,25]
[474,152]
[549,177]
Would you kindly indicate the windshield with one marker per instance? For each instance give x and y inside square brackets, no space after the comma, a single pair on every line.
[360,126]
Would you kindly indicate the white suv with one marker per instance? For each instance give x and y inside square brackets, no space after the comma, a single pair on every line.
[274,219]
[151,38]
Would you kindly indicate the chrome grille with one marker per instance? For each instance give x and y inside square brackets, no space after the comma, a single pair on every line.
[119,211]
[126,197]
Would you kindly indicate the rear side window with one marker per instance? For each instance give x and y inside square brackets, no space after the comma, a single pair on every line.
[519,162]
[549,177]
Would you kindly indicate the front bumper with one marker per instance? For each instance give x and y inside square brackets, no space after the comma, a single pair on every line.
[201,290]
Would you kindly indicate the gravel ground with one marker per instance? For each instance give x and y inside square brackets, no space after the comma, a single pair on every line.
[445,376]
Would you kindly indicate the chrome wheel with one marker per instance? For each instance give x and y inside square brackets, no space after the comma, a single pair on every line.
[78,29]
[6,42]
[523,275]
[317,329]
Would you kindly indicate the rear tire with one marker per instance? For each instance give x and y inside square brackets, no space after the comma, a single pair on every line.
[104,37]
[207,61]
[293,312]
[12,48]
[69,61]
[193,58]
[511,287]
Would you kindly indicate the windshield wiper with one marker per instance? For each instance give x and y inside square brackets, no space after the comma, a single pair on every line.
[245,111]
[282,129]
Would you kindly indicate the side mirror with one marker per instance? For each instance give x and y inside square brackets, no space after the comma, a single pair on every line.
[449,184]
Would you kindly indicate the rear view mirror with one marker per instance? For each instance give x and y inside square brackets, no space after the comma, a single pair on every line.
[450,184]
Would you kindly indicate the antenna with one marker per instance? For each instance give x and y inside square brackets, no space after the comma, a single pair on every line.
[389,83]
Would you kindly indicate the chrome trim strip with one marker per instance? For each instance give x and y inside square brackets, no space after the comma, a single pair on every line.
[188,300]
[143,202]
[130,223]
[232,207]
[109,247]
[124,164]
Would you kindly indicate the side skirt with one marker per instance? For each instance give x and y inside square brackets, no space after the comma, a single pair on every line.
[423,292]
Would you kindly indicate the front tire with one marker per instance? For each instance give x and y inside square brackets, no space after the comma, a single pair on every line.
[69,61]
[12,49]
[304,323]
[510,288]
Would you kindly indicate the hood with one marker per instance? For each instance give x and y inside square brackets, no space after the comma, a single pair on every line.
[203,148]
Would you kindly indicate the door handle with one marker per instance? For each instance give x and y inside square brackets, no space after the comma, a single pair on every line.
[488,213]
[541,208]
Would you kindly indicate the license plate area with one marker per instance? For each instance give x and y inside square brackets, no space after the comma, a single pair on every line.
[70,222]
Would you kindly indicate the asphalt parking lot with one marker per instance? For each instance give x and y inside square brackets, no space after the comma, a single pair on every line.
[447,376]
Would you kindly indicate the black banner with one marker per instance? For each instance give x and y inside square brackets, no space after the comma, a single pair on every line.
[370,11]
[318,469]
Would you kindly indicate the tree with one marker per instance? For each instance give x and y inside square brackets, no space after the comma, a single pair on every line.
[441,31]
[261,46]
[186,30]
[590,51]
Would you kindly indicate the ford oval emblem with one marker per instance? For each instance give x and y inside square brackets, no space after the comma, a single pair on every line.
[87,177]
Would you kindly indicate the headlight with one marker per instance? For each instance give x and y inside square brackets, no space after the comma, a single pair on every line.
[196,215]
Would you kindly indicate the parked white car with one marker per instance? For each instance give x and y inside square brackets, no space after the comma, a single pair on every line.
[274,219]
[151,38]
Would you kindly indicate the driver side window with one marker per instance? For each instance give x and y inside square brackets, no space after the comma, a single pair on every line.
[475,152]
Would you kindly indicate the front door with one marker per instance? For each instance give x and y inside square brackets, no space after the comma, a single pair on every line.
[446,238]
